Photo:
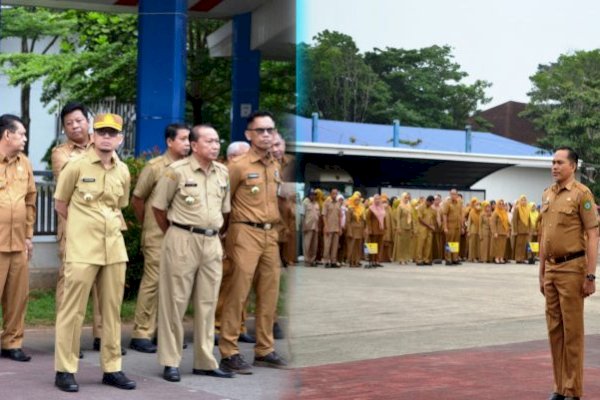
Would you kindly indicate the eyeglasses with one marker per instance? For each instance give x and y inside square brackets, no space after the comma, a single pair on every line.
[110,132]
[260,131]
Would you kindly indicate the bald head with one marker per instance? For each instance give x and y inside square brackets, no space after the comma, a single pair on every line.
[236,149]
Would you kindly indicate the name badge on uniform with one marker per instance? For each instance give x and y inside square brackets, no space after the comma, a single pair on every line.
[88,180]
[190,184]
[253,175]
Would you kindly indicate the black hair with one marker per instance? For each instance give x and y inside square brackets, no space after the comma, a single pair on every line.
[571,154]
[70,107]
[8,122]
[258,114]
[430,198]
[171,130]
[195,131]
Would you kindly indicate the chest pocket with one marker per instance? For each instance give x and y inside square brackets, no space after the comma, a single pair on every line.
[191,195]
[89,190]
[254,189]
[567,215]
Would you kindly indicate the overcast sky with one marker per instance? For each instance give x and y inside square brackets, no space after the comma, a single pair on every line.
[501,41]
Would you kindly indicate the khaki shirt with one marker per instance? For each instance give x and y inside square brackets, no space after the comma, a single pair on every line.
[17,202]
[95,196]
[566,214]
[254,184]
[311,215]
[497,227]
[484,225]
[152,235]
[61,154]
[332,216]
[453,212]
[429,216]
[192,196]
[517,225]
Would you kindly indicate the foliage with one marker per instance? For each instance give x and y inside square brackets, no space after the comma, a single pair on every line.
[564,103]
[335,81]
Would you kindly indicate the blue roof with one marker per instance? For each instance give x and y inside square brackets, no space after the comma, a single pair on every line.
[432,139]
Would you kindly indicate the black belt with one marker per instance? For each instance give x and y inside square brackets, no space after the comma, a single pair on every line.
[568,257]
[265,227]
[193,229]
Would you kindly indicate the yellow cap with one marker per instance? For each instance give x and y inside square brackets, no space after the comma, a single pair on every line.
[108,121]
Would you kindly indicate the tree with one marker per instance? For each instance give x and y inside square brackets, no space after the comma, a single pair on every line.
[565,101]
[30,25]
[336,82]
[426,87]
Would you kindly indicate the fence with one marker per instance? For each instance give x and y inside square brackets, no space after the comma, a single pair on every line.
[46,218]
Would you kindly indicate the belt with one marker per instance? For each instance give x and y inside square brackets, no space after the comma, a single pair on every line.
[193,229]
[265,227]
[568,257]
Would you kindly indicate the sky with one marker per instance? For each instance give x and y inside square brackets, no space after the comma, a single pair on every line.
[500,41]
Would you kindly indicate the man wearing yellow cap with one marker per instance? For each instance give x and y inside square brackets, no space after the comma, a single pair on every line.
[92,189]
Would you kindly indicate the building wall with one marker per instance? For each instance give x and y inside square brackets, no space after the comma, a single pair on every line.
[509,183]
[42,130]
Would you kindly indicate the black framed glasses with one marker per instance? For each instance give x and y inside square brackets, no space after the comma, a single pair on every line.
[260,131]
[107,132]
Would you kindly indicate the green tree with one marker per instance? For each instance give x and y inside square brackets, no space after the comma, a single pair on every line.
[30,25]
[565,101]
[426,87]
[335,81]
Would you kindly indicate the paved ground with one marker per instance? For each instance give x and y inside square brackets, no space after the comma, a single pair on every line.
[398,332]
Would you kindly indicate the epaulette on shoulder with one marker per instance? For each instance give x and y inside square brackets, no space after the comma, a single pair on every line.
[179,163]
[220,166]
[155,160]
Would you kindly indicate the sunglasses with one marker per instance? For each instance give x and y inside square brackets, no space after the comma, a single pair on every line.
[107,132]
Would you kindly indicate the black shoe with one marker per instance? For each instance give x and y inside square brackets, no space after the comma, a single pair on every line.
[246,338]
[15,355]
[217,337]
[80,354]
[97,344]
[420,264]
[217,373]
[171,374]
[449,263]
[65,381]
[142,345]
[571,398]
[277,331]
[235,363]
[118,380]
[271,360]
[457,263]
[556,396]
[184,345]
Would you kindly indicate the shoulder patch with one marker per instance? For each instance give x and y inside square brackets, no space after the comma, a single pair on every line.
[587,205]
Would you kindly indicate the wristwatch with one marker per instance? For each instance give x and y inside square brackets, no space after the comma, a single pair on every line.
[590,277]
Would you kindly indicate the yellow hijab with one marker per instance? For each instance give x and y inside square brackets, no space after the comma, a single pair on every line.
[502,214]
[320,197]
[524,211]
[533,213]
[475,212]
[356,205]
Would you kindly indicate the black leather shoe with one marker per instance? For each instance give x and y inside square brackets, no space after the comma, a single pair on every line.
[65,381]
[571,398]
[235,363]
[184,345]
[15,355]
[556,396]
[142,345]
[277,332]
[118,380]
[217,373]
[80,354]
[171,374]
[217,337]
[271,360]
[246,338]
[448,263]
[97,344]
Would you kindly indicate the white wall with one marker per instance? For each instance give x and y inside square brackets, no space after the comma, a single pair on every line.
[509,183]
[42,130]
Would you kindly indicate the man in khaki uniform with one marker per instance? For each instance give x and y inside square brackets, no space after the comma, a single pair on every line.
[567,269]
[332,217]
[190,200]
[287,202]
[91,191]
[235,149]
[453,223]
[17,216]
[251,244]
[146,309]
[74,118]
[310,228]
[425,227]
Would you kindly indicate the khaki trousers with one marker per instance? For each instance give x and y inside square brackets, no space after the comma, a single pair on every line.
[331,241]
[309,244]
[79,278]
[254,257]
[14,292]
[60,283]
[564,317]
[354,251]
[225,288]
[424,246]
[437,252]
[190,265]
[146,308]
